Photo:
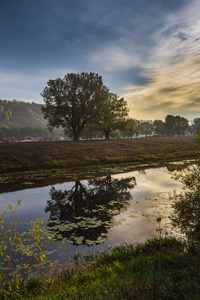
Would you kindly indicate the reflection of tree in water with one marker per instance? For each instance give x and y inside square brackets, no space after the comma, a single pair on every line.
[142,172]
[186,205]
[83,214]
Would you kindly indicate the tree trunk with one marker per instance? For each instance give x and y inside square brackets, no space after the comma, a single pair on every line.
[75,136]
[107,135]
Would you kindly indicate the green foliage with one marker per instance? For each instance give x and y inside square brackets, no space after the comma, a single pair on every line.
[21,253]
[30,133]
[20,114]
[159,127]
[195,126]
[73,102]
[186,205]
[111,115]
[198,136]
[176,125]
[161,268]
[146,128]
[91,131]
[128,129]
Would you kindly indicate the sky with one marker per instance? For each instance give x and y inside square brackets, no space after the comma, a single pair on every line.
[147,51]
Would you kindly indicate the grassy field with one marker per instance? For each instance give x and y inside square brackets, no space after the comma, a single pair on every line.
[36,156]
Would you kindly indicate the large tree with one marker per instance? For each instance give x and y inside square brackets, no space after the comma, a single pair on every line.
[170,124]
[74,101]
[176,125]
[181,125]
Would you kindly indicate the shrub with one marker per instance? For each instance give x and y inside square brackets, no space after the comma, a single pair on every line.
[20,253]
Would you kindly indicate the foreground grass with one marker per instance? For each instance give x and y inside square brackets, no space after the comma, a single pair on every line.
[36,156]
[161,268]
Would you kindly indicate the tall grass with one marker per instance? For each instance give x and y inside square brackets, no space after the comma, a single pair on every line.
[161,268]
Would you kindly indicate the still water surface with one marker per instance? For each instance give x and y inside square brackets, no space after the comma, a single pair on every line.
[95,213]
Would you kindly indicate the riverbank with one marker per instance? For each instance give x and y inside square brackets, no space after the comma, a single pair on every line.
[25,165]
[161,268]
[38,156]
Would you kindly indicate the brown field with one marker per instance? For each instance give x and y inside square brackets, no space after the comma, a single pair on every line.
[35,156]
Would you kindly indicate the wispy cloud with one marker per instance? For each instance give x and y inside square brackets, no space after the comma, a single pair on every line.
[173,70]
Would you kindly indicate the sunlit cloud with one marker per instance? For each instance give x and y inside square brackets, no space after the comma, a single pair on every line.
[173,72]
[173,90]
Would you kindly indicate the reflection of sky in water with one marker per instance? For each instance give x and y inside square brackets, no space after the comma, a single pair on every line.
[152,181]
[150,201]
[138,222]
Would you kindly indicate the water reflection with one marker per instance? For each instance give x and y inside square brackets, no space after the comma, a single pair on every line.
[83,214]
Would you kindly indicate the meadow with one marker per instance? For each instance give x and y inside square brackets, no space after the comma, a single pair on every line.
[37,156]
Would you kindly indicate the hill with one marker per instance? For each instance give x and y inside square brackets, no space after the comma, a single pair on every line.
[20,114]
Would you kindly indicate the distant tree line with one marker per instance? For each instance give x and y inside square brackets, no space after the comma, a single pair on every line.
[129,128]
[172,126]
[29,133]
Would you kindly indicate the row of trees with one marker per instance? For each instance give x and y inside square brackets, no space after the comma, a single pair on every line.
[128,128]
[172,126]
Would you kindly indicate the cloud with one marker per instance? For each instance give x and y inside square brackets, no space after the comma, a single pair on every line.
[114,58]
[172,70]
[172,88]
[147,51]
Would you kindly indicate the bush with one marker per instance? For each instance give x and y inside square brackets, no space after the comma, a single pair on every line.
[20,253]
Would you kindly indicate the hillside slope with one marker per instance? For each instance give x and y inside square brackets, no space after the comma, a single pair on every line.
[21,114]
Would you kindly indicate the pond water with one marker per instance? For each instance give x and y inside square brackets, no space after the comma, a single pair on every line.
[92,214]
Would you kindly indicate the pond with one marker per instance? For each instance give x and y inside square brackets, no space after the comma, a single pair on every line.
[89,215]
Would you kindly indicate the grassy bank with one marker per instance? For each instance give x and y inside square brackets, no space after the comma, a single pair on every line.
[162,268]
[36,156]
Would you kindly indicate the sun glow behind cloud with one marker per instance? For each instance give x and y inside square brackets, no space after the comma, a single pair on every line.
[173,73]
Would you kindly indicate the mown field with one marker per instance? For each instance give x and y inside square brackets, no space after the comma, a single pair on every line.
[36,156]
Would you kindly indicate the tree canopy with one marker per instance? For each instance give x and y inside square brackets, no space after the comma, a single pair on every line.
[74,101]
[176,125]
[111,114]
